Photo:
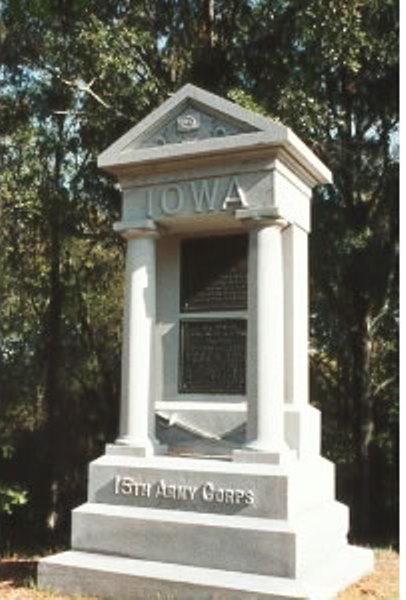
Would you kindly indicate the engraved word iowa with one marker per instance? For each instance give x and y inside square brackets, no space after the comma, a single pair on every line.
[200,196]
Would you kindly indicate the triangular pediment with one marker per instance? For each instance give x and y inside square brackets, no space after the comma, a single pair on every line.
[190,123]
[180,126]
[194,123]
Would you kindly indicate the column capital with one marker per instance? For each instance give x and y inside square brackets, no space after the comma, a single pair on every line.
[257,218]
[135,229]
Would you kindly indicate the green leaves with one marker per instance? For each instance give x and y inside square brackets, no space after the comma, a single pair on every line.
[10,495]
[74,76]
[10,498]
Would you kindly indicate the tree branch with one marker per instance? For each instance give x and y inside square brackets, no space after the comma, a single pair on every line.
[379,388]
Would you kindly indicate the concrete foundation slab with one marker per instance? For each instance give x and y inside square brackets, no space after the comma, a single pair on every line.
[112,577]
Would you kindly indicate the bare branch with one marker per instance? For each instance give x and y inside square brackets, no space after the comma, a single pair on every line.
[76,83]
[379,388]
[87,88]
[375,321]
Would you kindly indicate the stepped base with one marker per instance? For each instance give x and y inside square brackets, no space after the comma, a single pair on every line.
[276,548]
[113,578]
[186,529]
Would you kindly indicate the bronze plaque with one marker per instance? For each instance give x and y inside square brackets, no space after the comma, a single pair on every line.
[214,274]
[212,356]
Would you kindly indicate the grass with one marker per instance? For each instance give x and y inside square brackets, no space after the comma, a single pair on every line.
[18,581]
[382,584]
[18,576]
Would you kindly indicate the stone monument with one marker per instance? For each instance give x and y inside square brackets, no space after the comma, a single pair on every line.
[229,498]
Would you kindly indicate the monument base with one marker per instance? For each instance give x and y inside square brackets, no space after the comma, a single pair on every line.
[207,529]
[113,577]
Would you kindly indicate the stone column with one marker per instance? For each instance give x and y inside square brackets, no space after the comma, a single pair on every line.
[137,418]
[265,419]
[302,421]
[295,246]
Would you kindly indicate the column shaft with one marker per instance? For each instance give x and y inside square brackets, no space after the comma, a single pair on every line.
[265,424]
[269,339]
[296,308]
[302,420]
[137,378]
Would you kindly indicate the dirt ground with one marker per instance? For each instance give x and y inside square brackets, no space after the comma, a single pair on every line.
[382,584]
[18,576]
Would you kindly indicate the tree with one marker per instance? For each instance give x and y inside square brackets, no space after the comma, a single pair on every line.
[335,83]
[59,341]
[73,77]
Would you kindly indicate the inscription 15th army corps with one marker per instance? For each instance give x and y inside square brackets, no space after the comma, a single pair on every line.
[207,492]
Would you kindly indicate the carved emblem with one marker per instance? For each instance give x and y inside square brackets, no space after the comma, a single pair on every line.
[192,125]
[187,122]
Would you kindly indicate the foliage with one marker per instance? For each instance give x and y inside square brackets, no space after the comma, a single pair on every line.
[76,74]
[10,496]
[334,80]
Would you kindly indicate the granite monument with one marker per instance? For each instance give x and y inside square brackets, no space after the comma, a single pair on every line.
[228,497]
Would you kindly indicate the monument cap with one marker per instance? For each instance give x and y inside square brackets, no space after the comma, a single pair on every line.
[194,123]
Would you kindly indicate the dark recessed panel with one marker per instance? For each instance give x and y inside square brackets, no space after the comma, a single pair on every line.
[214,274]
[212,356]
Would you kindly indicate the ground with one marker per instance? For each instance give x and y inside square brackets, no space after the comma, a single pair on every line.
[17,581]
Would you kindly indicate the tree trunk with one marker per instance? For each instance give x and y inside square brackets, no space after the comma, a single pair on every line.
[53,394]
[364,420]
[208,17]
